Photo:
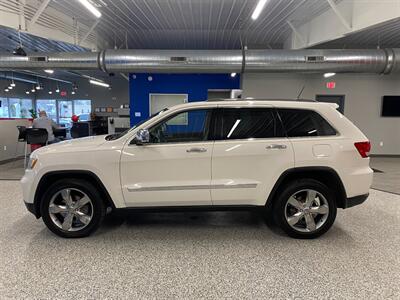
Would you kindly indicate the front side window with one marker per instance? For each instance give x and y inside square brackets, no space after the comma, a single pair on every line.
[187,126]
[303,123]
[245,123]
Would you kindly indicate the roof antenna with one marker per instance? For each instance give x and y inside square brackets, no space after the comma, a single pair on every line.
[301,91]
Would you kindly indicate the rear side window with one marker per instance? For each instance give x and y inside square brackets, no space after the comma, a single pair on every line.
[245,123]
[302,123]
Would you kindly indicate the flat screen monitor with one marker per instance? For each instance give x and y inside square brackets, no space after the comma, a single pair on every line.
[391,106]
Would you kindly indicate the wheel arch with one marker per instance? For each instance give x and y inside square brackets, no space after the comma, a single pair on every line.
[49,178]
[326,175]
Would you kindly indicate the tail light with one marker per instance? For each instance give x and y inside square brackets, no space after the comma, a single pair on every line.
[363,148]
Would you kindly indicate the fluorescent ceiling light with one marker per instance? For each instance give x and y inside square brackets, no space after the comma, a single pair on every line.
[91,8]
[49,71]
[27,92]
[233,74]
[327,75]
[12,84]
[6,90]
[73,93]
[100,83]
[258,9]
[50,92]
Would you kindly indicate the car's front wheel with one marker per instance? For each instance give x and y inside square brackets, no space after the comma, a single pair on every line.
[72,208]
[305,209]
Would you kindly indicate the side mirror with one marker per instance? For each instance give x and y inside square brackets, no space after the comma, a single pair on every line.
[141,137]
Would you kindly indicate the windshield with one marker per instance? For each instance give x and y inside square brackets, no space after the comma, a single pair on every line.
[115,136]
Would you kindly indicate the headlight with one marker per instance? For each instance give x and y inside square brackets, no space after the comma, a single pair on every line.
[32,162]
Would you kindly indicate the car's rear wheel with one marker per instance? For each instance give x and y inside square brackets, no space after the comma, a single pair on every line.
[72,208]
[305,209]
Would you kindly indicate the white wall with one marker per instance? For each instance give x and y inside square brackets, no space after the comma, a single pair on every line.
[363,99]
[9,146]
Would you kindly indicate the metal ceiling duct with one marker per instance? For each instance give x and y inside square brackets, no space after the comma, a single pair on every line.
[378,61]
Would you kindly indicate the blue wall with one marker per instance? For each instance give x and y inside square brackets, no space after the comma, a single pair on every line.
[195,85]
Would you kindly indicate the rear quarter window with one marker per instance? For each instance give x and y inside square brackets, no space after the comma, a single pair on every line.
[304,123]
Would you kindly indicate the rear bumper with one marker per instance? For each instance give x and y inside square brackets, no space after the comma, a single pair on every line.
[357,200]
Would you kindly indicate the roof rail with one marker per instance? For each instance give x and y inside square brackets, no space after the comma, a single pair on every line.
[260,99]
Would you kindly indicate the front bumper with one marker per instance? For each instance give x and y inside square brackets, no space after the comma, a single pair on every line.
[357,200]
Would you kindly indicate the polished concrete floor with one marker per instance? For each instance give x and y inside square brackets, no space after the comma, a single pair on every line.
[201,255]
[388,179]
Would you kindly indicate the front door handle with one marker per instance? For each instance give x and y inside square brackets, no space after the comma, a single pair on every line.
[196,150]
[276,146]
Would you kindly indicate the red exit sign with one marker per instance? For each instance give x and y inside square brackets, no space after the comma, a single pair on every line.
[63,93]
[331,85]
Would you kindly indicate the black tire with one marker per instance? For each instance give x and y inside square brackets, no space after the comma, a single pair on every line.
[280,208]
[97,207]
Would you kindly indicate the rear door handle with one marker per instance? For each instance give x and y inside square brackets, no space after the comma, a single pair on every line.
[196,150]
[275,146]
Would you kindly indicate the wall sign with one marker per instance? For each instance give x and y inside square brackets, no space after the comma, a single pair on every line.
[331,85]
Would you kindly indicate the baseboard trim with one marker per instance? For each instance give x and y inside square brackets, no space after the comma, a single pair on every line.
[385,155]
[6,161]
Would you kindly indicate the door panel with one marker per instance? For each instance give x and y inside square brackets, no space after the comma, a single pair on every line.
[249,156]
[244,172]
[175,167]
[158,175]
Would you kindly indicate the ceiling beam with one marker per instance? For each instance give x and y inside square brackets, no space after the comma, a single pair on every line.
[37,14]
[339,14]
[89,32]
[343,19]
[297,34]
[13,20]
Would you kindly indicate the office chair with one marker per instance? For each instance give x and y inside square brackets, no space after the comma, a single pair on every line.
[35,136]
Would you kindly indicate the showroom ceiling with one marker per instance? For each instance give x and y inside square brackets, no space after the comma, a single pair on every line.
[181,24]
[195,24]
[177,24]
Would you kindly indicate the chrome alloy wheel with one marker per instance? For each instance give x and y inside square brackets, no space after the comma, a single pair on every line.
[71,209]
[306,210]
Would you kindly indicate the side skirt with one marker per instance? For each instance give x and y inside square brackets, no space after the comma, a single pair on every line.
[190,208]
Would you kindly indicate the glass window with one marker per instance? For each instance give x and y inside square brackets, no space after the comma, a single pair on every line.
[82,108]
[19,108]
[64,113]
[195,129]
[3,108]
[26,105]
[14,108]
[245,123]
[49,106]
[300,122]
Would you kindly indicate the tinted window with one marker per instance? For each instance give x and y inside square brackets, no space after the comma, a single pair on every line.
[244,123]
[188,126]
[298,122]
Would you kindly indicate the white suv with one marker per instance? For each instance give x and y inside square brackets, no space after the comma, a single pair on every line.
[297,160]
